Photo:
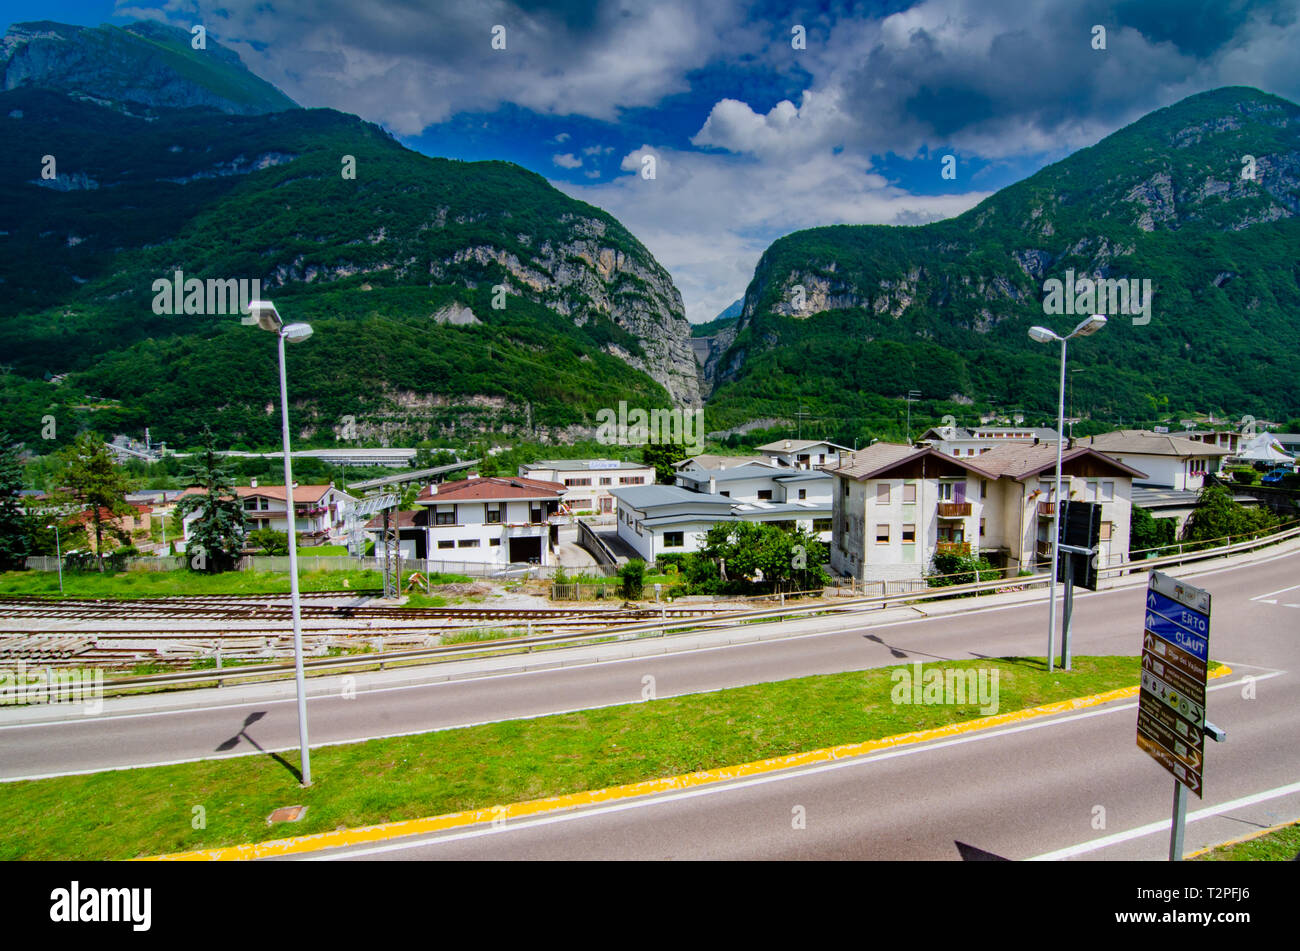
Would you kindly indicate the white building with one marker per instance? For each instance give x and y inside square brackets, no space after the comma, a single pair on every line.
[588,482]
[1173,462]
[896,506]
[706,461]
[803,453]
[319,510]
[496,521]
[671,519]
[955,441]
[760,483]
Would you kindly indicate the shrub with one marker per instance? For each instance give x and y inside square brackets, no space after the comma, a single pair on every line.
[633,577]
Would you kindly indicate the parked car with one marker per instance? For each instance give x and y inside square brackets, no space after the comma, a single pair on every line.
[1275,476]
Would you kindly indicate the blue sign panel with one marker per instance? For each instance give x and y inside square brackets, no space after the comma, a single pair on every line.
[1165,629]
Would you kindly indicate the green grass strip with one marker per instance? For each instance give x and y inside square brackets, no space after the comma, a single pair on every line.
[128,813]
[1280,845]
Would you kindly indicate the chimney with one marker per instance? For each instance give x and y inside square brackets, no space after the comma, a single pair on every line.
[787,444]
[433,488]
[252,483]
[713,486]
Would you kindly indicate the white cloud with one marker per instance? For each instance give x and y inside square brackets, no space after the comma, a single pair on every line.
[567,160]
[708,217]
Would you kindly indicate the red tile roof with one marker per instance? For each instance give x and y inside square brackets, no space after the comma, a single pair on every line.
[490,490]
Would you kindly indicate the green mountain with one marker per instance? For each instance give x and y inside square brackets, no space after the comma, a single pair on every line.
[847,319]
[448,298]
[138,67]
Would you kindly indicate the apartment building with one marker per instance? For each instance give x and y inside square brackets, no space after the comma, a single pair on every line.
[896,506]
[589,482]
[956,441]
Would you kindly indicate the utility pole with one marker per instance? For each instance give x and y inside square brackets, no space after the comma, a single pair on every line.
[912,396]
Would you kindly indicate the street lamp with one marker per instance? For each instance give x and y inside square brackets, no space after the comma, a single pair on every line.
[1045,335]
[264,314]
[58,555]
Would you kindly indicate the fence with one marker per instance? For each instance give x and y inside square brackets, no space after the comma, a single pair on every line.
[589,540]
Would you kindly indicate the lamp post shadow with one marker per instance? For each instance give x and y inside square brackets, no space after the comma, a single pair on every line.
[231,743]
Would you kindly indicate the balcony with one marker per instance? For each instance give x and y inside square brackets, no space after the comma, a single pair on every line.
[1043,550]
[1046,509]
[952,548]
[954,509]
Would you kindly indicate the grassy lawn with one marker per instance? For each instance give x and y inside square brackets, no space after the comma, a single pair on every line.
[113,815]
[131,584]
[1281,845]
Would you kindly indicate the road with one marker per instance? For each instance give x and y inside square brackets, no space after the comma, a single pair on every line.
[1018,792]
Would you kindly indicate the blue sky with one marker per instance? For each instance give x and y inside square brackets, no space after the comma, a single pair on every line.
[757,128]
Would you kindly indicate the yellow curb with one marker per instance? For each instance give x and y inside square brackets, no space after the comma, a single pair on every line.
[1241,839]
[341,838]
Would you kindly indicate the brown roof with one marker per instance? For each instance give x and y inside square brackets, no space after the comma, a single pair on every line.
[883,456]
[490,489]
[1015,460]
[1153,444]
[404,519]
[301,493]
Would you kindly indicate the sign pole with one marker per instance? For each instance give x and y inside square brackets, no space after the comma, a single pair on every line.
[1180,821]
[1069,611]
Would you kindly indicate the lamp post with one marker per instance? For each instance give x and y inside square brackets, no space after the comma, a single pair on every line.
[264,315]
[1045,335]
[58,556]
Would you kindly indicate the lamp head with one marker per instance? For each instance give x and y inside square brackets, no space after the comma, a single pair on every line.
[1042,335]
[264,314]
[296,333]
[1089,326]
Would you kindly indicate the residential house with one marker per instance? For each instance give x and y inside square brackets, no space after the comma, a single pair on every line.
[1173,462]
[803,453]
[674,519]
[896,506]
[319,510]
[706,461]
[588,482]
[497,521]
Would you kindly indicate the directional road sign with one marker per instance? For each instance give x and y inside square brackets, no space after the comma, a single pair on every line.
[1171,702]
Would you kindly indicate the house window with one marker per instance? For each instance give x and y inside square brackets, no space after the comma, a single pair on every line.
[1107,493]
[674,539]
[629,480]
[467,543]
[882,493]
[984,488]
[821,525]
[494,514]
[494,542]
[446,543]
[909,534]
[882,534]
[727,494]
[949,533]
[846,490]
[606,481]
[765,495]
[981,528]
[445,518]
[803,493]
[1105,531]
[945,491]
[909,492]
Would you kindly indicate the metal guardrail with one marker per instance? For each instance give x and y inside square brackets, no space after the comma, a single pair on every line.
[662,627]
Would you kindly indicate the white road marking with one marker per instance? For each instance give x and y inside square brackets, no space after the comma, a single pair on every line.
[727,786]
[1164,824]
[1269,594]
